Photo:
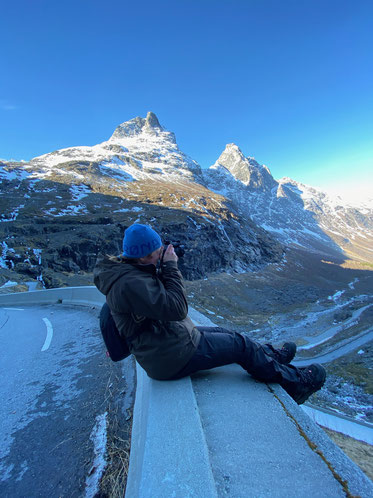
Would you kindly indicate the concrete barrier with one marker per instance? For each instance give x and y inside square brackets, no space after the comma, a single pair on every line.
[169,454]
[85,296]
[221,433]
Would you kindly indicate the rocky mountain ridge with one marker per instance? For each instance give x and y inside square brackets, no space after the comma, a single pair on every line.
[59,210]
[296,214]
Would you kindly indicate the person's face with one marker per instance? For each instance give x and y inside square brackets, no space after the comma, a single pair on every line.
[153,258]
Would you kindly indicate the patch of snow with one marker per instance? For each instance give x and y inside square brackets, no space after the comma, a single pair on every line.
[4,252]
[32,285]
[68,211]
[123,210]
[99,438]
[13,214]
[24,469]
[269,228]
[37,253]
[115,169]
[222,229]
[40,279]
[9,284]
[14,174]
[352,284]
[79,191]
[314,234]
[336,296]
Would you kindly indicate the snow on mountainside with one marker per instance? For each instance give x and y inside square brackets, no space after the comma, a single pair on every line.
[294,213]
[71,204]
[137,150]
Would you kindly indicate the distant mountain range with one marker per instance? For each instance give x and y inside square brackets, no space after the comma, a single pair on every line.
[234,211]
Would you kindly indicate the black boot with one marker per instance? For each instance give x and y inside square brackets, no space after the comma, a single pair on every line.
[283,355]
[311,379]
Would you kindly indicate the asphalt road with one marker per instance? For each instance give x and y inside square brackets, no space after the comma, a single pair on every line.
[56,383]
[338,350]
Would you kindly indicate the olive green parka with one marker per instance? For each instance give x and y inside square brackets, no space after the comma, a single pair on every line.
[150,310]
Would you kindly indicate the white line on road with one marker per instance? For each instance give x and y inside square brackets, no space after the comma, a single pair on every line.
[49,334]
[13,309]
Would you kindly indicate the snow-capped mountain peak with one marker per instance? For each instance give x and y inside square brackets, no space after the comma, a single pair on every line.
[136,127]
[244,169]
[138,148]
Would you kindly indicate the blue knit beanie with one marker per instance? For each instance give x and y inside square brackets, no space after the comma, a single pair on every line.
[140,240]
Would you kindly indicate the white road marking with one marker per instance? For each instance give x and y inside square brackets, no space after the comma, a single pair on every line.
[13,309]
[49,334]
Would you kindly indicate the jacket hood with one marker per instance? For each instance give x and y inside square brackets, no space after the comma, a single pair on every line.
[107,271]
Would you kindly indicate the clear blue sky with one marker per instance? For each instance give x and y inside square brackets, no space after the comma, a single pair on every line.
[290,82]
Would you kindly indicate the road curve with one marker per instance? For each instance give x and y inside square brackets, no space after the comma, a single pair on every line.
[338,351]
[54,379]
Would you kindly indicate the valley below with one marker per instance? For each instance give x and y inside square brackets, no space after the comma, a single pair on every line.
[325,308]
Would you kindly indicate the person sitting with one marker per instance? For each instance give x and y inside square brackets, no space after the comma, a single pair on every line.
[150,310]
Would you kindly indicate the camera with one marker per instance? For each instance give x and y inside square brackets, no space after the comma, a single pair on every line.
[178,248]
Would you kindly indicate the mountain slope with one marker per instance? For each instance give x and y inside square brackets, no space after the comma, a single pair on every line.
[61,209]
[294,213]
[139,149]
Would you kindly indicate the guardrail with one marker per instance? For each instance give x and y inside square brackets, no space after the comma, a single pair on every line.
[85,296]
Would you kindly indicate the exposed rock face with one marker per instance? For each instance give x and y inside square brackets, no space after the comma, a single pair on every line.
[45,249]
[139,125]
[152,120]
[245,169]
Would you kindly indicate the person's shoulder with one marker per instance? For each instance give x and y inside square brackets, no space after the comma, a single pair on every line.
[135,274]
[107,260]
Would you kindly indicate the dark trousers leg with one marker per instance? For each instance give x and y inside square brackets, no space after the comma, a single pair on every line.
[219,347]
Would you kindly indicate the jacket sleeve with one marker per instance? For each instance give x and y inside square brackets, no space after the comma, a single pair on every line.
[159,300]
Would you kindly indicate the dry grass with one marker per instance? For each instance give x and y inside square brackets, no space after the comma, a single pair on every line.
[114,480]
[361,453]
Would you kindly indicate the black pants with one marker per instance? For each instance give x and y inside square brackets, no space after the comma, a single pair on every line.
[219,347]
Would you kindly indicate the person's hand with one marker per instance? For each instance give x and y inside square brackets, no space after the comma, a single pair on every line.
[170,254]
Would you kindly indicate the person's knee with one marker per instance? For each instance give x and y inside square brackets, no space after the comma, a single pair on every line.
[243,344]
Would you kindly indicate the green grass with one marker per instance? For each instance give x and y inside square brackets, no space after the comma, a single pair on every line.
[356,373]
